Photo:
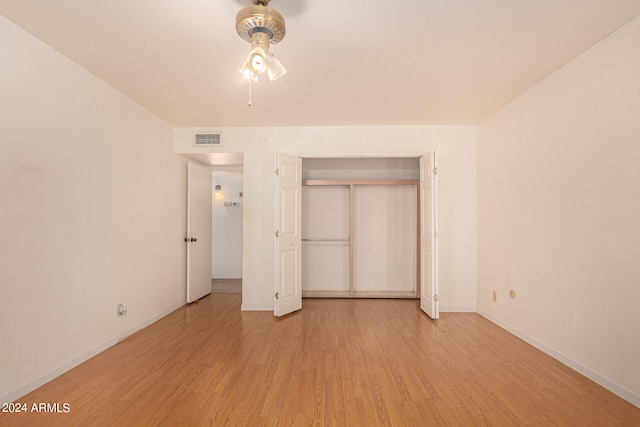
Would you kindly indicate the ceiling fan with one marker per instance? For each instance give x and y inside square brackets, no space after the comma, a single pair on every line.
[261,26]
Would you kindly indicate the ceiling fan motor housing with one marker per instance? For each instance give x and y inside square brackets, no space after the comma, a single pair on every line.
[260,18]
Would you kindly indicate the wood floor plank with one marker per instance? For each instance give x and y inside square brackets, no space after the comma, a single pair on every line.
[335,363]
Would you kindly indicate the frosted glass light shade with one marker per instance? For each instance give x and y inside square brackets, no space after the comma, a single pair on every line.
[257,60]
[247,73]
[275,69]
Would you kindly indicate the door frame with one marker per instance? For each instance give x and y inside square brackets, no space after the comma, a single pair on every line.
[434,306]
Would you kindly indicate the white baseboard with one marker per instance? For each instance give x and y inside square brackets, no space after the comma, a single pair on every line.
[24,389]
[628,395]
[453,309]
[256,306]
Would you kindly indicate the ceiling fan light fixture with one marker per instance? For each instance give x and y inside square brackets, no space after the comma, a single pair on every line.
[261,26]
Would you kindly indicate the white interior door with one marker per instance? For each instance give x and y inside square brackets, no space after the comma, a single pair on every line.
[428,236]
[198,238]
[288,268]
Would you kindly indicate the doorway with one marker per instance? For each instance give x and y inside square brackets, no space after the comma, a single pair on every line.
[360,227]
[227,223]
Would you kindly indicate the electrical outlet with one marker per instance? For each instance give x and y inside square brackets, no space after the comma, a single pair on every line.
[495,295]
[512,294]
[121,310]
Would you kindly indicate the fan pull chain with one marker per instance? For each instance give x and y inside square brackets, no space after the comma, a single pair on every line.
[249,92]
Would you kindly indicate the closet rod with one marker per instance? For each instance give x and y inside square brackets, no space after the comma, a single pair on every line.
[325,240]
[349,182]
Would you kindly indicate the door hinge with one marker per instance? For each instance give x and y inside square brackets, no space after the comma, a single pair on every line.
[435,170]
[435,297]
[277,295]
[277,233]
[277,171]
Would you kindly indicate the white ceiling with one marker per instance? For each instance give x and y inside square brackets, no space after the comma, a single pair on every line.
[355,62]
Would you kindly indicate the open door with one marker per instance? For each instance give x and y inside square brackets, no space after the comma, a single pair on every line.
[198,239]
[288,268]
[428,234]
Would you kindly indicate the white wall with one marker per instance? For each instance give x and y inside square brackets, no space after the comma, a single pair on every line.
[559,213]
[456,147]
[226,262]
[92,214]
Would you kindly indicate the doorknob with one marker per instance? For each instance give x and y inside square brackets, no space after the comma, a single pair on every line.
[193,239]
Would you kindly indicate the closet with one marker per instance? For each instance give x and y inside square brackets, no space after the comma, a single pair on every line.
[360,227]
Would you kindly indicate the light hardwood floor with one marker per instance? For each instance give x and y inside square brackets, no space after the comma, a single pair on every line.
[336,362]
[226,286]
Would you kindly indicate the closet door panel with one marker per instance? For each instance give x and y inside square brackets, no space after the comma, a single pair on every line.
[385,238]
[325,238]
[325,266]
[325,212]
